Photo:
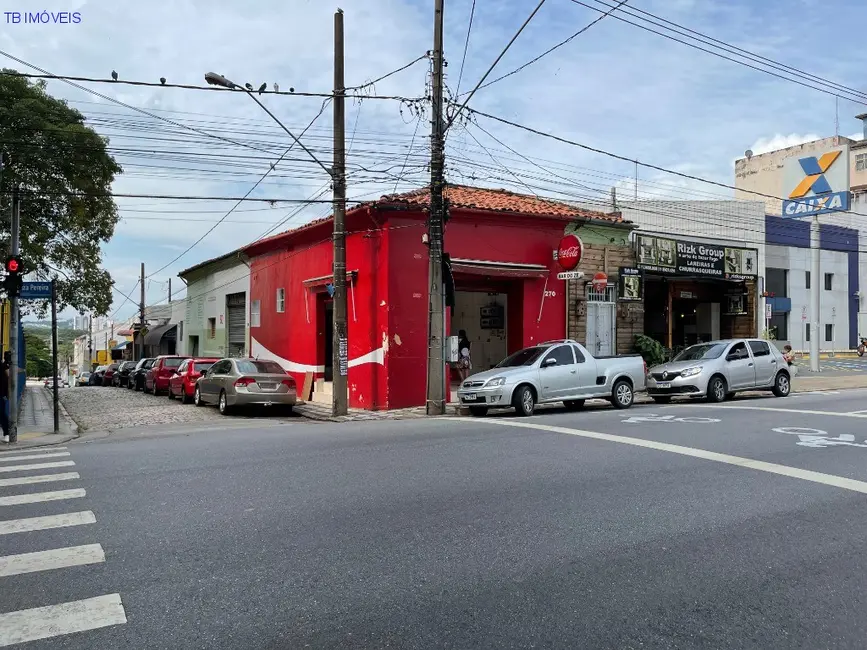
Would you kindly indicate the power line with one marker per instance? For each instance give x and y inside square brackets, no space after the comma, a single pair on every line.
[557,46]
[385,76]
[466,47]
[125,296]
[171,197]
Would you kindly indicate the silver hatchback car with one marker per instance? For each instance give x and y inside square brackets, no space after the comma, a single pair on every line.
[233,383]
[719,369]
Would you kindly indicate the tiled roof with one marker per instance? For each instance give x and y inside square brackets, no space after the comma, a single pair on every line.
[483,198]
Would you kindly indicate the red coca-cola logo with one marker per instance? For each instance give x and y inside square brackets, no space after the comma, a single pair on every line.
[569,252]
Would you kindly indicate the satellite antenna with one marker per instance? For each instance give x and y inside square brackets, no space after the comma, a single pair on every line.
[748,153]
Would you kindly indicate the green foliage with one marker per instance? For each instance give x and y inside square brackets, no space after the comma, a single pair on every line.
[770,334]
[38,356]
[65,175]
[650,349]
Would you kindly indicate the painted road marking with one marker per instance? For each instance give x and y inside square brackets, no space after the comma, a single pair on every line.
[60,463]
[42,523]
[59,558]
[747,463]
[34,456]
[856,412]
[650,417]
[38,497]
[776,410]
[66,618]
[31,451]
[42,478]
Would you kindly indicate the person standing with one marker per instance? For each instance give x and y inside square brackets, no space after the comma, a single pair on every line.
[465,363]
[4,394]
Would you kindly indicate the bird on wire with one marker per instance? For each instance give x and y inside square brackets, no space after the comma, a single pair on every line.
[163,81]
[276,87]
[248,86]
[291,89]
[114,75]
[262,88]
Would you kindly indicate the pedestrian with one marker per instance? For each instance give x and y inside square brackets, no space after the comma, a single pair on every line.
[4,394]
[788,354]
[465,363]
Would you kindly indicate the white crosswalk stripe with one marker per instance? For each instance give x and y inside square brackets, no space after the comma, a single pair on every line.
[66,618]
[56,454]
[44,622]
[18,452]
[59,558]
[41,478]
[38,497]
[10,526]
[20,468]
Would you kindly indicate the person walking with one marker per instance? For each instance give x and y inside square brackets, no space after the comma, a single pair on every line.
[4,394]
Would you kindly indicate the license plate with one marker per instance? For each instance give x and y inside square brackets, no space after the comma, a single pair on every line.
[268,386]
[469,397]
[663,384]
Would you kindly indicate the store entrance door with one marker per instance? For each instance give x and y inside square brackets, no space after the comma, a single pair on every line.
[601,321]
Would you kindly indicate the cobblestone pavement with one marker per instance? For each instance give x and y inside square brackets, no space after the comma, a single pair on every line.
[100,408]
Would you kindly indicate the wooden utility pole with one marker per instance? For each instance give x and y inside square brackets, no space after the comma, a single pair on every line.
[435,403]
[340,344]
[141,313]
[170,291]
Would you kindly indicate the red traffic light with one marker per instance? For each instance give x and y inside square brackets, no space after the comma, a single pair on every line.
[13,265]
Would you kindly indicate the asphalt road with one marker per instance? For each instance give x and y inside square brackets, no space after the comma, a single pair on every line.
[681,526]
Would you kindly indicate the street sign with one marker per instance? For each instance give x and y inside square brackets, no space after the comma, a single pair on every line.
[570,275]
[35,291]
[769,311]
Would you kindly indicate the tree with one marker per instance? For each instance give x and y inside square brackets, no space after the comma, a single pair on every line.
[65,174]
[38,356]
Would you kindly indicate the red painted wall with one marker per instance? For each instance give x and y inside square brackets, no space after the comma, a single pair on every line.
[389,319]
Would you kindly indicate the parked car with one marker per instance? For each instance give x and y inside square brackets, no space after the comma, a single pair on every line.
[83,379]
[121,375]
[555,371]
[60,383]
[158,375]
[183,382]
[136,380]
[96,376]
[719,369]
[108,375]
[234,383]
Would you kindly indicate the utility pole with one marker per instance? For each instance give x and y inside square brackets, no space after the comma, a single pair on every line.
[435,403]
[815,244]
[90,342]
[170,291]
[13,323]
[56,389]
[340,347]
[141,313]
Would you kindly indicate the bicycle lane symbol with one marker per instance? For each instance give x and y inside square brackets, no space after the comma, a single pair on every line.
[819,439]
[650,417]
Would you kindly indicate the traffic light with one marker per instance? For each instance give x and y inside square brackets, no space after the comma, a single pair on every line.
[14,276]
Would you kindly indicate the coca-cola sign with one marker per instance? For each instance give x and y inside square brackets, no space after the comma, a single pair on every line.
[569,252]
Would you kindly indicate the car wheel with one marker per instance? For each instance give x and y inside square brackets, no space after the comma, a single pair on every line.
[782,385]
[185,399]
[716,389]
[197,398]
[478,411]
[664,399]
[574,404]
[524,401]
[622,396]
[170,393]
[224,407]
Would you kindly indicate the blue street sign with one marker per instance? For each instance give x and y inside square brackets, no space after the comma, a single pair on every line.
[35,290]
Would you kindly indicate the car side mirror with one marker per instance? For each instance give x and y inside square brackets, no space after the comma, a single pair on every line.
[549,362]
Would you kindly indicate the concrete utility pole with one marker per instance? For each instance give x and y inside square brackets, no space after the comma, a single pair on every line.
[815,289]
[170,291]
[13,322]
[141,313]
[90,342]
[55,391]
[340,351]
[435,403]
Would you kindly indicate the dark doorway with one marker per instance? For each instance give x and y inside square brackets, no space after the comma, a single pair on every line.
[329,340]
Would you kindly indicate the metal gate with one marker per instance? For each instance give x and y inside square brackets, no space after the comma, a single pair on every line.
[236,324]
[601,320]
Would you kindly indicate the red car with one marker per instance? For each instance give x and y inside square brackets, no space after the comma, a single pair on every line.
[109,373]
[183,383]
[158,375]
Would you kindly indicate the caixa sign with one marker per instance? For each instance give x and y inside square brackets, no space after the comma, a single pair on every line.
[816,184]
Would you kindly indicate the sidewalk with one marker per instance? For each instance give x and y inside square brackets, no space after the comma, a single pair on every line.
[36,422]
[322,412]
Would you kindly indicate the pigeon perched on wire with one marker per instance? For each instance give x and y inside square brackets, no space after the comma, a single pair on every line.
[114,75]
[276,87]
[291,89]
[248,86]
[163,81]
[262,88]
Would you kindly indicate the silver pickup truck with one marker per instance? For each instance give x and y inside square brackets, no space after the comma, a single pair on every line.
[555,371]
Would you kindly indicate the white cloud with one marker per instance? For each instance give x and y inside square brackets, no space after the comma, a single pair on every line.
[780,141]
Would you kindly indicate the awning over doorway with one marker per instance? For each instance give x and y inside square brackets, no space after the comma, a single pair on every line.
[154,336]
[323,280]
[498,269]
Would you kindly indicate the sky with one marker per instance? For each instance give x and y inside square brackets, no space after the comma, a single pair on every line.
[614,87]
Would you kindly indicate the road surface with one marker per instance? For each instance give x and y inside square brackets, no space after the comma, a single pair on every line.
[681,526]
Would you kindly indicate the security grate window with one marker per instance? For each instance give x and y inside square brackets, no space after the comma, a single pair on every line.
[609,294]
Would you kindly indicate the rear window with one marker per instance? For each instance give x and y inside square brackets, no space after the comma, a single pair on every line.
[172,363]
[201,366]
[148,363]
[260,366]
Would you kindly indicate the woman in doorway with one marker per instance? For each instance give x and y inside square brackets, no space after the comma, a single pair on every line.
[464,362]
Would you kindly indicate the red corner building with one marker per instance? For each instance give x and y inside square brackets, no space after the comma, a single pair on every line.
[507,295]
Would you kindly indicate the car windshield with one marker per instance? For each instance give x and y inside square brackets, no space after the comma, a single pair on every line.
[173,363]
[269,367]
[525,357]
[147,363]
[202,366]
[701,351]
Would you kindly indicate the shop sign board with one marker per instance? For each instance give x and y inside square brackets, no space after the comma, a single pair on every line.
[570,275]
[687,257]
[630,284]
[569,252]
[816,184]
